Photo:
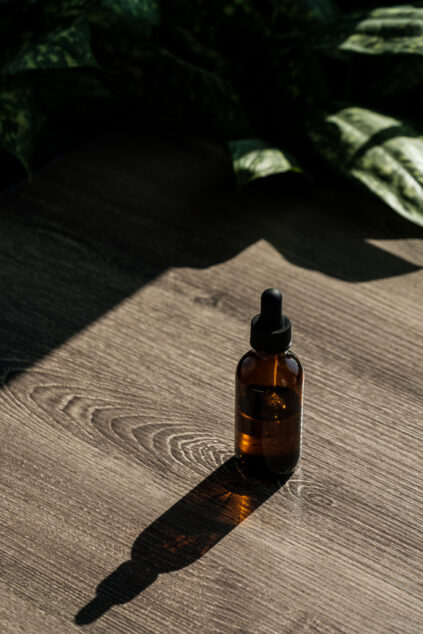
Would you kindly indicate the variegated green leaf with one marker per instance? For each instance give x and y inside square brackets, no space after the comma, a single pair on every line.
[63,47]
[145,10]
[386,30]
[18,123]
[136,15]
[254,158]
[380,152]
[306,10]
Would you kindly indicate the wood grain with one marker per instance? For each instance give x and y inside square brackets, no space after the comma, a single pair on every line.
[129,273]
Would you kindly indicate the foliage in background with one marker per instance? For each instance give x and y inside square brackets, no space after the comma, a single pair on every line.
[254,158]
[323,82]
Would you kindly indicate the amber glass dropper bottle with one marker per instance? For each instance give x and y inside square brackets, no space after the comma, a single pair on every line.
[269,396]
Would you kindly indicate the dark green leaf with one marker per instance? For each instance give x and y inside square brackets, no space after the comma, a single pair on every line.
[305,10]
[254,158]
[144,10]
[380,152]
[137,15]
[19,123]
[64,47]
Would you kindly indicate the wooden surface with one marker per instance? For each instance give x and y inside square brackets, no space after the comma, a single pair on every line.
[129,271]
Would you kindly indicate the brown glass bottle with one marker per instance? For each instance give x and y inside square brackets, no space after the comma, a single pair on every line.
[269,396]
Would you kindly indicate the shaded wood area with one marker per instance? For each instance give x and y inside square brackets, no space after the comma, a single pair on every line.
[129,272]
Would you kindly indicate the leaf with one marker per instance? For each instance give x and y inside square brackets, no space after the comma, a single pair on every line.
[63,47]
[145,12]
[254,158]
[305,10]
[135,19]
[381,152]
[19,123]
[386,30]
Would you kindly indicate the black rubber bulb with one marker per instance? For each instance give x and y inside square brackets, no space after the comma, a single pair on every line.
[271,310]
[270,330]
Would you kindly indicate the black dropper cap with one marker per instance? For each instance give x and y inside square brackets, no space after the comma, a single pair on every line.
[271,330]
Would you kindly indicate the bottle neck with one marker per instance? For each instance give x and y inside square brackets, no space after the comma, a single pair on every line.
[270,355]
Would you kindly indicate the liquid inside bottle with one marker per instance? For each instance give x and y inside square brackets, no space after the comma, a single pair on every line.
[268,430]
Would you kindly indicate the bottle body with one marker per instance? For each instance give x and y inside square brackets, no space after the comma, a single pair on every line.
[268,413]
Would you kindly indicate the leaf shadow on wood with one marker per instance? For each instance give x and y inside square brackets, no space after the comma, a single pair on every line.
[95,227]
[182,535]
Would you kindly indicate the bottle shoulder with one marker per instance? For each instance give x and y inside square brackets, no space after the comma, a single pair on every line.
[253,363]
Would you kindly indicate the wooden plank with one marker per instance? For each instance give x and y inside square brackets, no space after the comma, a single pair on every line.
[129,273]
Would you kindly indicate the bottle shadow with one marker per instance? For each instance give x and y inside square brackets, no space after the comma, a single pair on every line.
[183,534]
